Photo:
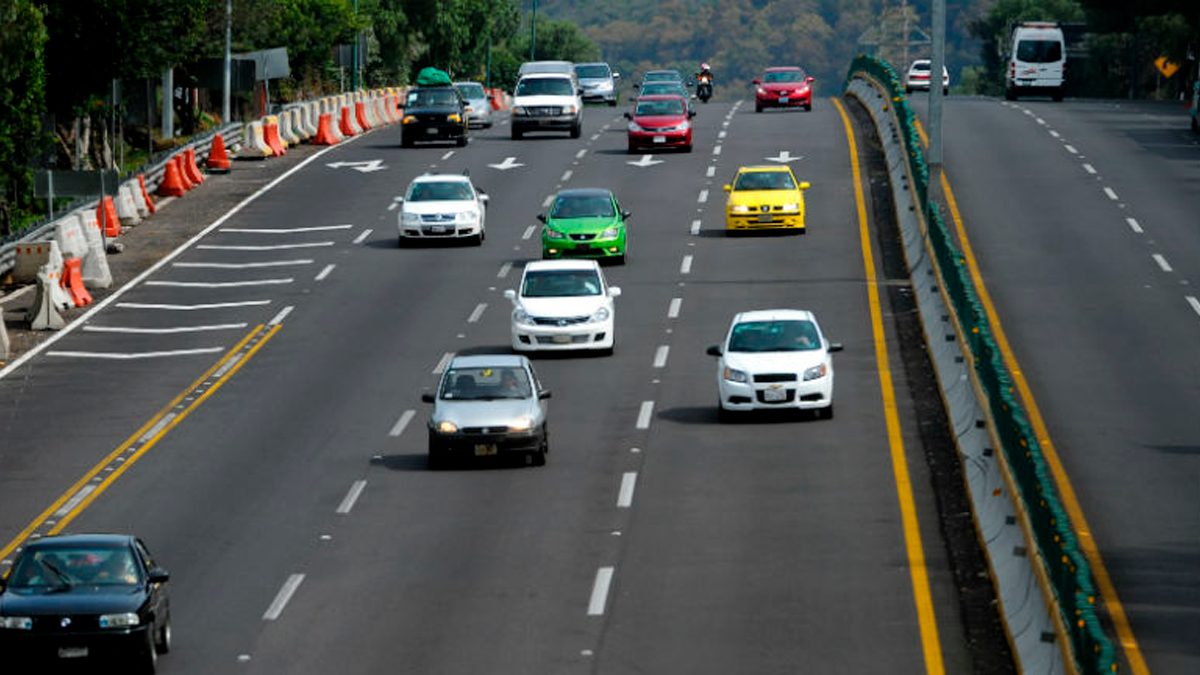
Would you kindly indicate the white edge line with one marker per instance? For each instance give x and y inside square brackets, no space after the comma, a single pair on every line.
[21,360]
[351,497]
[362,237]
[643,420]
[600,591]
[285,594]
[625,496]
[402,423]
[281,315]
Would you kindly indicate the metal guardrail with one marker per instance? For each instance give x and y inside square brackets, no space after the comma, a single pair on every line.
[152,172]
[1064,563]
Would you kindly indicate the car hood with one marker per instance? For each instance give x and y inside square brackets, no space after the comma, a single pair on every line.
[544,99]
[657,121]
[585,305]
[783,86]
[441,206]
[79,600]
[758,197]
[479,104]
[593,81]
[493,413]
[582,225]
[774,362]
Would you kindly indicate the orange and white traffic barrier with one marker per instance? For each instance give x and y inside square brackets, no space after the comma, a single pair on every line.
[72,280]
[141,179]
[324,131]
[126,208]
[271,135]
[344,124]
[254,145]
[360,116]
[218,157]
[106,214]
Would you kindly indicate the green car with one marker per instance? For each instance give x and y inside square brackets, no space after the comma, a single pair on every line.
[584,223]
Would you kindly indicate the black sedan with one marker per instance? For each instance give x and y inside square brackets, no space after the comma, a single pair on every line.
[434,114]
[84,598]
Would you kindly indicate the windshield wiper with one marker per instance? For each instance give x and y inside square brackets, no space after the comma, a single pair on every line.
[65,583]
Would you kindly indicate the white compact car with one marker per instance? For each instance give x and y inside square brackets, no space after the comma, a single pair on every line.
[775,359]
[563,304]
[919,76]
[443,206]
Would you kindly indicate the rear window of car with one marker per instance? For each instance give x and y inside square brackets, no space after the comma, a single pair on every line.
[656,88]
[471,90]
[545,86]
[591,71]
[664,107]
[582,206]
[435,191]
[1039,51]
[662,76]
[764,180]
[560,283]
[432,98]
[774,336]
[784,76]
[921,65]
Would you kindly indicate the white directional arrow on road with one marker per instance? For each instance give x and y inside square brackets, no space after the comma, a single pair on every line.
[645,161]
[364,167]
[508,163]
[783,157]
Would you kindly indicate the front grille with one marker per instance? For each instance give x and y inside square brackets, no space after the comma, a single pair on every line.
[78,622]
[559,320]
[551,340]
[437,217]
[766,378]
[544,110]
[476,431]
[788,395]
[582,237]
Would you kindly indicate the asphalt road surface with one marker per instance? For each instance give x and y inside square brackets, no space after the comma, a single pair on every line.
[273,454]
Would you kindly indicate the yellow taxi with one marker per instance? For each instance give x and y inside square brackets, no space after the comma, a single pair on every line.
[765,197]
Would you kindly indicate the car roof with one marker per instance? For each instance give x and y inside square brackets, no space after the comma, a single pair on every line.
[442,178]
[593,63]
[585,192]
[493,360]
[774,315]
[459,84]
[661,97]
[776,69]
[547,265]
[66,540]
[764,167]
[543,76]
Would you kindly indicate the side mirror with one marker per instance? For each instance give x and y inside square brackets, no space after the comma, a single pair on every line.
[627,116]
[399,200]
[714,350]
[511,294]
[579,92]
[728,188]
[616,76]
[543,394]
[158,575]
[541,217]
[614,291]
[691,114]
[427,398]
[483,197]
[834,347]
[625,214]
[804,185]
[810,79]
[756,81]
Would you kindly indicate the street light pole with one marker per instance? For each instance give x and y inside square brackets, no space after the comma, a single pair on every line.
[533,33]
[938,62]
[354,54]
[228,61]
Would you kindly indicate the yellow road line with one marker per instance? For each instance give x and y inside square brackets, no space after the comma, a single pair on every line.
[930,642]
[1083,532]
[227,361]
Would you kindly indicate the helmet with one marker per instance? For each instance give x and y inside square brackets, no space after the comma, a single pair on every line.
[704,66]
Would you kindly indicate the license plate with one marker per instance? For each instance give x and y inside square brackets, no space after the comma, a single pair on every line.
[783,99]
[438,229]
[485,449]
[764,218]
[431,130]
[72,652]
[660,139]
[774,395]
[562,339]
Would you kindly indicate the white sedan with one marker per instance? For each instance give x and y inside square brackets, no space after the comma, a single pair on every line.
[775,359]
[443,206]
[563,304]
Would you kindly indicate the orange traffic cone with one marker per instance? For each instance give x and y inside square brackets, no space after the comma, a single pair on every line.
[172,184]
[106,218]
[145,195]
[324,131]
[72,280]
[218,159]
[191,168]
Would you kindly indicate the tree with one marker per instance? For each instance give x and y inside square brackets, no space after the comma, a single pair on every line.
[22,91]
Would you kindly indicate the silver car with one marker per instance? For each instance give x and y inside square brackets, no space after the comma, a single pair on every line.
[479,106]
[598,81]
[486,405]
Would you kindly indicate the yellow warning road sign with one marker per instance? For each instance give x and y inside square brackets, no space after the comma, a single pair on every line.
[1166,67]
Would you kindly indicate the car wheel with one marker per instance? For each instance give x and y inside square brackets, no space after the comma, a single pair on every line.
[908,90]
[757,108]
[406,142]
[1010,94]
[462,141]
[687,148]
[1058,95]
[631,149]
[517,134]
[725,416]
[825,413]
[539,456]
[148,658]
[577,130]
[612,103]
[1196,125]
[945,91]
[620,260]
[402,241]
[162,643]
[807,107]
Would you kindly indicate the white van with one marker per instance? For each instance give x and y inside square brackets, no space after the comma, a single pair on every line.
[1037,61]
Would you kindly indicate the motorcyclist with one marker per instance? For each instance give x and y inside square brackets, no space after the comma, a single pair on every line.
[705,73]
[704,82]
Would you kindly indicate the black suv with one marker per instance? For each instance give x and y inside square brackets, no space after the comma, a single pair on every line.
[434,114]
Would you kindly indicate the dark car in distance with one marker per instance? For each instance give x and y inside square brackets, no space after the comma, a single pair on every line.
[85,598]
[434,114]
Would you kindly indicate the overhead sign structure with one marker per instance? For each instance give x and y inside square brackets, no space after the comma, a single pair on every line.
[361,167]
[645,161]
[508,163]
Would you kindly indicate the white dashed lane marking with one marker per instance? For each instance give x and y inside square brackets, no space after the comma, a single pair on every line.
[478,312]
[1111,195]
[599,598]
[290,230]
[441,365]
[546,202]
[1162,262]
[695,227]
[673,308]
[529,232]
[660,356]
[625,496]
[504,270]
[1090,169]
[710,172]
[1133,225]
[163,331]
[241,266]
[281,316]
[351,497]
[220,284]
[132,356]
[566,176]
[278,247]
[1071,149]
[324,273]
[647,410]
[402,423]
[188,308]
[1194,303]
[1054,134]
[363,237]
[685,267]
[702,197]
[581,153]
[716,149]
[281,599]
[448,155]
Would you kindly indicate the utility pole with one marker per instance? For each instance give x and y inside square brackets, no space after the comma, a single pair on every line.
[936,97]
[904,12]
[225,93]
[354,54]
[533,33]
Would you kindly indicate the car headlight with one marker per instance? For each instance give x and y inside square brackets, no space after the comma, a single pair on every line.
[762,91]
[635,127]
[468,216]
[410,218]
[734,375]
[122,620]
[16,622]
[815,373]
[569,109]
[518,110]
[523,423]
[453,117]
[554,234]
[408,119]
[740,208]
[521,316]
[793,206]
[446,427]
[601,314]
[682,126]
[611,233]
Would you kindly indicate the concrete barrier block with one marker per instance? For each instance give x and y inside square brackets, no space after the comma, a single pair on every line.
[5,344]
[127,211]
[30,256]
[44,314]
[95,271]
[69,235]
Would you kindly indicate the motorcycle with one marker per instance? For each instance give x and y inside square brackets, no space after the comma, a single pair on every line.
[704,88]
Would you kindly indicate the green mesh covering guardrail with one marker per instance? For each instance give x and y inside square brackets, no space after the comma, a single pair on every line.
[1067,568]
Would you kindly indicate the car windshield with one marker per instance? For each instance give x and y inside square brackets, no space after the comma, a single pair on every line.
[432,98]
[485,383]
[64,567]
[560,283]
[439,191]
[672,106]
[544,86]
[582,206]
[765,180]
[784,76]
[662,76]
[591,72]
[471,91]
[774,336]
[1039,51]
[654,88]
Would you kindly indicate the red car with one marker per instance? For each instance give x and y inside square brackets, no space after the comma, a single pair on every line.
[783,87]
[662,121]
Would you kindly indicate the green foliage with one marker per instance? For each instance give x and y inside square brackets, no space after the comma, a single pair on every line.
[455,33]
[993,32]
[22,39]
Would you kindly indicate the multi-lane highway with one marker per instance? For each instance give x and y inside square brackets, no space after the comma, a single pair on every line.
[1084,218]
